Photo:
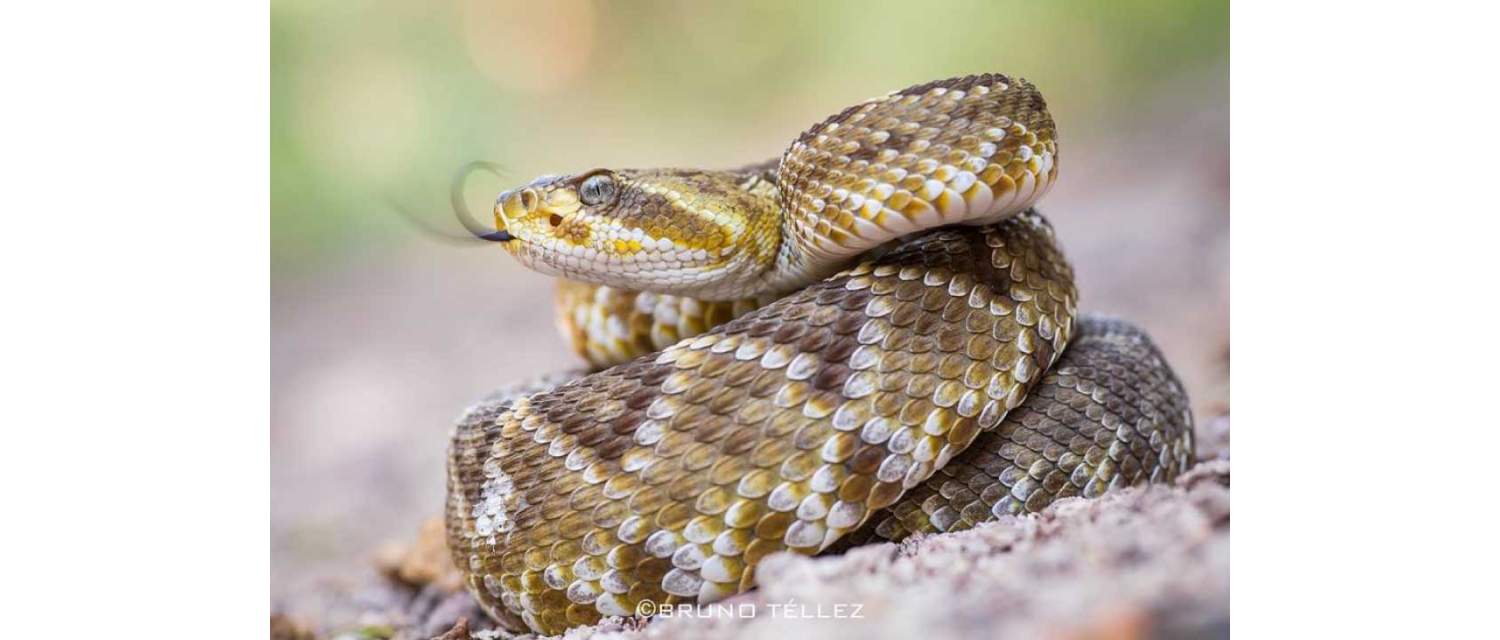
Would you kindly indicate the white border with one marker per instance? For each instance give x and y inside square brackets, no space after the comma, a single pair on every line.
[1363,243]
[135,267]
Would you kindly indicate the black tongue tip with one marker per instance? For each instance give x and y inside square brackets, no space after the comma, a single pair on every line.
[497,236]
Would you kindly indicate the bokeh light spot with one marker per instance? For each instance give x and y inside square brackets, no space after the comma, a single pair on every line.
[529,46]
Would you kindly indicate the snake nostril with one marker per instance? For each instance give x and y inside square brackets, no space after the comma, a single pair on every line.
[528,199]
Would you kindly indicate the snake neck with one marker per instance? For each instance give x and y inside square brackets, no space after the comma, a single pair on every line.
[967,151]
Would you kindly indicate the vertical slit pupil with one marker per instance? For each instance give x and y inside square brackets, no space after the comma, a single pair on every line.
[596,190]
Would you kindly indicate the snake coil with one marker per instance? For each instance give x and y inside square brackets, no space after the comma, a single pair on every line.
[771,384]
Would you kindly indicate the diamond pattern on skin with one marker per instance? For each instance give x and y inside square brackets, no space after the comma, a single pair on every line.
[669,477]
[791,407]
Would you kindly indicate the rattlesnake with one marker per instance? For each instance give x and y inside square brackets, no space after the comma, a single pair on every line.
[872,336]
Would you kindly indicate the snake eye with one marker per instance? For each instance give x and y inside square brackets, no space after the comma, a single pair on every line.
[597,189]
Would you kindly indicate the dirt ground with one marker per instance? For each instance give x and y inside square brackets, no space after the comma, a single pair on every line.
[373,360]
[1145,562]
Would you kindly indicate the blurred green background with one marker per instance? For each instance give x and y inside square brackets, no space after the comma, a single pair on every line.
[376,100]
[380,336]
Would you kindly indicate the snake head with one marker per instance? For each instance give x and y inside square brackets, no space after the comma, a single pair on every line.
[685,232]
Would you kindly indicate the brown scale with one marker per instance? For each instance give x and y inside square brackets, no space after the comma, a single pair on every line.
[669,477]
[1111,385]
[1110,413]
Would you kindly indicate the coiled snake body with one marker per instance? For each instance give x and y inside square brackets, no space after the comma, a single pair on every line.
[783,387]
